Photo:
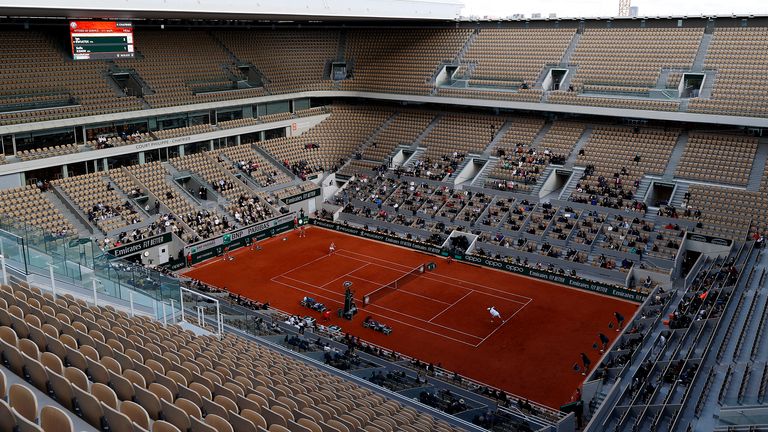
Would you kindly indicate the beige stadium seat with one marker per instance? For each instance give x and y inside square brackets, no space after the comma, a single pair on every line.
[163,426]
[23,401]
[53,419]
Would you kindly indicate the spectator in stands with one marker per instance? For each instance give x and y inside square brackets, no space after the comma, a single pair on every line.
[648,283]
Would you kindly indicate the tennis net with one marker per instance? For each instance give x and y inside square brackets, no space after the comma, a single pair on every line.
[392,286]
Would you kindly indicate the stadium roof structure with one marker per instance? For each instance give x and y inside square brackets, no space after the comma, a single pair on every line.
[239,9]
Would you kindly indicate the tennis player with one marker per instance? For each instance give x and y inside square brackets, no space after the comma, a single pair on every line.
[331,248]
[494,313]
[228,256]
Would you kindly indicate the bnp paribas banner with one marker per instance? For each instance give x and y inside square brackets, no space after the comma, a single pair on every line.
[588,285]
[212,247]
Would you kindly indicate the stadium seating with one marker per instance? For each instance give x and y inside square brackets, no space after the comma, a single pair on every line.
[243,122]
[729,212]
[132,373]
[183,131]
[514,56]
[103,206]
[45,152]
[638,61]
[620,156]
[117,140]
[29,205]
[520,95]
[183,67]
[402,59]
[572,98]
[245,206]
[520,163]
[275,117]
[311,111]
[291,60]
[403,129]
[250,162]
[562,137]
[32,65]
[718,158]
[493,61]
[451,139]
[196,224]
[735,54]
[359,167]
[327,145]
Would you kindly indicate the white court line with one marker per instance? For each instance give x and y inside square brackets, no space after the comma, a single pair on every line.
[387,318]
[345,276]
[502,324]
[310,262]
[400,290]
[443,276]
[452,305]
[384,308]
[435,277]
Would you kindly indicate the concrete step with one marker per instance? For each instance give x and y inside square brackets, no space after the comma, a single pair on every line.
[479,180]
[701,53]
[541,134]
[709,83]
[571,49]
[758,166]
[677,154]
[124,196]
[467,44]
[642,189]
[579,145]
[499,135]
[542,178]
[365,144]
[276,163]
[677,197]
[428,129]
[416,156]
[572,182]
[71,212]
[342,48]
[461,178]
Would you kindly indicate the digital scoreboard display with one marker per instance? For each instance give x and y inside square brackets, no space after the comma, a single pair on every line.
[94,40]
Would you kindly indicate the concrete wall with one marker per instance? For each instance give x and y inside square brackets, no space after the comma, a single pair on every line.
[11,181]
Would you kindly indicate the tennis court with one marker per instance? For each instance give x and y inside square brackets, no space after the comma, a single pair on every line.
[437,316]
[427,301]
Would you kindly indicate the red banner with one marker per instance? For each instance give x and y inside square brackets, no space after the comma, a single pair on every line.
[85,27]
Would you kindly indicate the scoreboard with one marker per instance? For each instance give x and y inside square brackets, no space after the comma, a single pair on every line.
[94,40]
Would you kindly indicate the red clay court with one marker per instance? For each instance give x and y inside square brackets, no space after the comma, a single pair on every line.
[438,316]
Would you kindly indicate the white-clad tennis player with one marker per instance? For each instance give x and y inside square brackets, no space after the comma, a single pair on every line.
[331,248]
[494,313]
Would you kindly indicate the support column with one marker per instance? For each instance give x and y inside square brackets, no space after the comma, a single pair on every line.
[2,266]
